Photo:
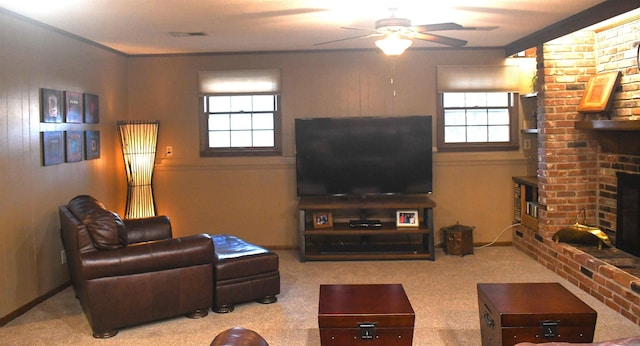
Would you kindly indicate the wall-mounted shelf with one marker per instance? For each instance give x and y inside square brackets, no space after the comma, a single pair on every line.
[529,104]
[525,201]
[614,136]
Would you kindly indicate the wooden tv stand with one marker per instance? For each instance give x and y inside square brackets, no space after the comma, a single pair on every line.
[340,241]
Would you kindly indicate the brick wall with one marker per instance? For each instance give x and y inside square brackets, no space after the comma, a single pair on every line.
[616,52]
[614,287]
[573,172]
[567,164]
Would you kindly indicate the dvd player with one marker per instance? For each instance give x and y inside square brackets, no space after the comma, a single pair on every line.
[365,224]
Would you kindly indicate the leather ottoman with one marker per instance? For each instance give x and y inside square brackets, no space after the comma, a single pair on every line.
[243,272]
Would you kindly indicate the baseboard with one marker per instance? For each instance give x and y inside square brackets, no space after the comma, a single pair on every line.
[475,245]
[498,243]
[281,247]
[438,245]
[15,314]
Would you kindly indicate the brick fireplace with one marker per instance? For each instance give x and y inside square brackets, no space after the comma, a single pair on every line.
[578,169]
[628,225]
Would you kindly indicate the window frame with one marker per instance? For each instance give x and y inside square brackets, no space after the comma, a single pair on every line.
[511,145]
[206,151]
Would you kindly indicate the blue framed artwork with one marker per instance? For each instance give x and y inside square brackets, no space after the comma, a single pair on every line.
[73,107]
[91,109]
[52,148]
[91,145]
[51,105]
[73,146]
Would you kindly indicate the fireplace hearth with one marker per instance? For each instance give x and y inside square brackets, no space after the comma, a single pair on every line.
[628,215]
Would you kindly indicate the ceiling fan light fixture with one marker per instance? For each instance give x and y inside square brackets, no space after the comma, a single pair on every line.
[394,44]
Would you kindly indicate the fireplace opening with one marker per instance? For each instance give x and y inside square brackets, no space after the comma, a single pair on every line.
[628,215]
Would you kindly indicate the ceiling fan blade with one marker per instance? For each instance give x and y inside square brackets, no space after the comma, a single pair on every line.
[500,11]
[480,28]
[286,12]
[451,26]
[355,28]
[438,27]
[344,39]
[453,42]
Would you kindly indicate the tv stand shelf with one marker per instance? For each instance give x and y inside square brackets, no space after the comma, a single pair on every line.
[341,242]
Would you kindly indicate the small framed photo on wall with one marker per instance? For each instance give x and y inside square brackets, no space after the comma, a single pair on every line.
[407,218]
[52,148]
[322,220]
[73,146]
[51,105]
[91,109]
[91,145]
[73,106]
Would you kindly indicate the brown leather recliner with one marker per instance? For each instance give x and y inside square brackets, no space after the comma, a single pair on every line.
[128,272]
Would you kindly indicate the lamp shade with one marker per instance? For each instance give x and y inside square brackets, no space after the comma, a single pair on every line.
[139,142]
[393,44]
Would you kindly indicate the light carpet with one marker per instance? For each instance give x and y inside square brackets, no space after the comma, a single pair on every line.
[442,292]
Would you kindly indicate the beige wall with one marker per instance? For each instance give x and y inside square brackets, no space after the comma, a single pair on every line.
[255,198]
[32,58]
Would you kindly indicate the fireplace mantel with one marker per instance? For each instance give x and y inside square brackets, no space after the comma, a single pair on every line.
[614,136]
[608,125]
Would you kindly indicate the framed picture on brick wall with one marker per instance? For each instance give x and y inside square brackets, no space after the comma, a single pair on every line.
[597,95]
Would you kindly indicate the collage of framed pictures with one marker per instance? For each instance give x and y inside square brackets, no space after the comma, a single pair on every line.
[69,107]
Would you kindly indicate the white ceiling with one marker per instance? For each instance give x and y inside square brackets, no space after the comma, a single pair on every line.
[143,26]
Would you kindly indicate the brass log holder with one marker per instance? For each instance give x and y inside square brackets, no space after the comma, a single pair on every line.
[582,234]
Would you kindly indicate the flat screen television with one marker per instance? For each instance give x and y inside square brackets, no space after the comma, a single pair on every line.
[363,156]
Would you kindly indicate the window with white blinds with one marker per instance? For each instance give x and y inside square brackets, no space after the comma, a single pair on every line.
[477,108]
[240,112]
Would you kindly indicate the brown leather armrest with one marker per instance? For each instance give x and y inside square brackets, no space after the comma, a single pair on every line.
[148,257]
[148,229]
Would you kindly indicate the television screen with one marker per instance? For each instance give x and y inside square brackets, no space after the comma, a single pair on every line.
[363,156]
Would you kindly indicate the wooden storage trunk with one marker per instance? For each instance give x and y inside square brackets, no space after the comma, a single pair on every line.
[378,314]
[533,312]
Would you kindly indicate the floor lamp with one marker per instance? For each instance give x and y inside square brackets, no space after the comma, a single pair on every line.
[139,141]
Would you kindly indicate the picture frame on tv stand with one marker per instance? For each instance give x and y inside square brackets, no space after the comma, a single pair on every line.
[407,218]
[322,220]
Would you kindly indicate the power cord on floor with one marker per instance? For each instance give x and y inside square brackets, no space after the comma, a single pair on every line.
[498,236]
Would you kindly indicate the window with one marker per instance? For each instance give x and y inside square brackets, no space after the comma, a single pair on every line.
[477,108]
[241,114]
[477,121]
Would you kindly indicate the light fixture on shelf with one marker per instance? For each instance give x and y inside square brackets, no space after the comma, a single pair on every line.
[393,44]
[139,143]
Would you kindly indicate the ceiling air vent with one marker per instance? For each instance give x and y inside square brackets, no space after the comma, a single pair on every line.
[187,34]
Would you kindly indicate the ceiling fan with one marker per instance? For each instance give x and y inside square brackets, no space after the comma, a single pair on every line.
[397,33]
